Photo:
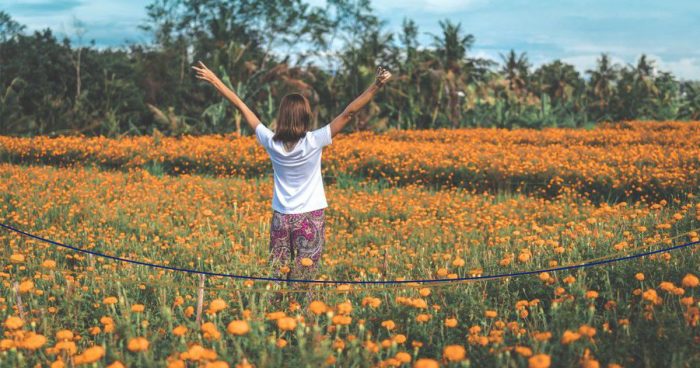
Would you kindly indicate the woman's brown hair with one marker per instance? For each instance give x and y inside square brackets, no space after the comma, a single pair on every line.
[293,118]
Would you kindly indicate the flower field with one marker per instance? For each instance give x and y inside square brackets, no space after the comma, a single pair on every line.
[402,206]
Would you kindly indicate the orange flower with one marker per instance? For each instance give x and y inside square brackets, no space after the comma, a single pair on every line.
[426,363]
[216,306]
[138,344]
[569,336]
[690,281]
[306,262]
[90,355]
[389,324]
[239,327]
[286,323]
[454,353]
[539,361]
[13,323]
[451,322]
[318,307]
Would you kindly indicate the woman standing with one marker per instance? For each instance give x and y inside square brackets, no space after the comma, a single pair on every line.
[298,200]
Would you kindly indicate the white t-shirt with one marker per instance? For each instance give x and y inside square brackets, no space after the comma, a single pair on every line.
[298,184]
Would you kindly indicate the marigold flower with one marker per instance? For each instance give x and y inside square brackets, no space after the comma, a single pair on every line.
[403,357]
[318,307]
[306,262]
[238,327]
[180,330]
[64,335]
[110,300]
[137,344]
[26,286]
[16,258]
[33,341]
[451,322]
[13,323]
[389,324]
[90,355]
[569,336]
[286,323]
[344,308]
[217,305]
[454,353]
[539,361]
[690,281]
[426,363]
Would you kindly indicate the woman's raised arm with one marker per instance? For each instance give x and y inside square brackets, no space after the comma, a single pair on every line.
[339,122]
[205,74]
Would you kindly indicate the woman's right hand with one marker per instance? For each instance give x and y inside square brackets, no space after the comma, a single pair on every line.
[383,76]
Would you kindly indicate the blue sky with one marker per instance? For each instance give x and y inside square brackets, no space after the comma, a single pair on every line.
[574,31]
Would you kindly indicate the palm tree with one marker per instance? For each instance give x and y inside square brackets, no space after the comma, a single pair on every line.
[601,85]
[559,80]
[450,50]
[516,71]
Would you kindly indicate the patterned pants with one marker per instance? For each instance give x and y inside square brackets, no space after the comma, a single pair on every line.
[293,239]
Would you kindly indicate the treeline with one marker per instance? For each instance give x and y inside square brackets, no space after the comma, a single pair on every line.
[52,87]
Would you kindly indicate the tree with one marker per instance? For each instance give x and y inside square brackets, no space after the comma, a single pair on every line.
[601,87]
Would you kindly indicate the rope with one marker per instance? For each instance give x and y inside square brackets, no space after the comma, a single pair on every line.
[416,283]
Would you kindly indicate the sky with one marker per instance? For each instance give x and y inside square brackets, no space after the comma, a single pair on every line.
[576,32]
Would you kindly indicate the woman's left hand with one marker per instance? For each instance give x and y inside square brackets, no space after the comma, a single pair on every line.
[204,73]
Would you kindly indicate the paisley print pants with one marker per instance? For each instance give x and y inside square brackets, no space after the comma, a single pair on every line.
[296,241]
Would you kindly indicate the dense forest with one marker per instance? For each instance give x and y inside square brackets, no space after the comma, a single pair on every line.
[54,87]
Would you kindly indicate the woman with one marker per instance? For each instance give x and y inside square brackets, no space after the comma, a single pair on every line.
[298,200]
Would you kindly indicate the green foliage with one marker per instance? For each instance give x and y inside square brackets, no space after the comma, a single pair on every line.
[51,87]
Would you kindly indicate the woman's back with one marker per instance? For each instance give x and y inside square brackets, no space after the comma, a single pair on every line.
[298,184]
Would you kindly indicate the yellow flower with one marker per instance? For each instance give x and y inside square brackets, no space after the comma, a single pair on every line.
[137,344]
[451,322]
[639,276]
[423,317]
[238,327]
[424,292]
[490,314]
[454,353]
[49,264]
[306,262]
[110,300]
[539,361]
[137,308]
